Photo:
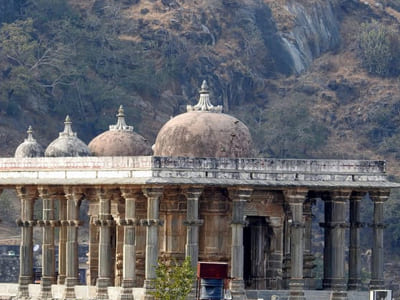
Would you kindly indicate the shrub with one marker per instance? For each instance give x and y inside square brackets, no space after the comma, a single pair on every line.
[173,281]
[379,49]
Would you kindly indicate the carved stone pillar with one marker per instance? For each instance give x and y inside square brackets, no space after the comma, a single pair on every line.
[377,279]
[27,196]
[74,197]
[192,222]
[354,282]
[93,255]
[105,221]
[48,250]
[295,198]
[239,197]
[286,248]
[275,259]
[153,195]
[308,264]
[129,248]
[335,225]
[62,240]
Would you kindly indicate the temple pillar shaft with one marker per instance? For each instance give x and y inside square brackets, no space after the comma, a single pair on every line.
[192,222]
[62,241]
[335,221]
[239,198]
[48,250]
[73,203]
[26,222]
[377,278]
[129,247]
[105,221]
[295,199]
[153,195]
[354,282]
[308,263]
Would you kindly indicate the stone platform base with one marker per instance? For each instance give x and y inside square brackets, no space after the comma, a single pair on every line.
[84,292]
[308,294]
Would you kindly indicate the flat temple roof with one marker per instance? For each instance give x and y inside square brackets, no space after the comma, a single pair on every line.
[266,172]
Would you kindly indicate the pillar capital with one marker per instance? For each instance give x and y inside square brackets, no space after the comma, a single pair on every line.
[340,195]
[379,195]
[357,196]
[193,191]
[240,193]
[129,192]
[295,195]
[153,191]
[26,192]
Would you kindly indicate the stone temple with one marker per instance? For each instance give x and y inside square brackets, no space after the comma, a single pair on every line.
[199,193]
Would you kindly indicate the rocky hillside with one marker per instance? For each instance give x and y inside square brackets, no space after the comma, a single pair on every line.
[298,72]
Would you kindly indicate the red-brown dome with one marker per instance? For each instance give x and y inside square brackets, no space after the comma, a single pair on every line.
[119,140]
[204,131]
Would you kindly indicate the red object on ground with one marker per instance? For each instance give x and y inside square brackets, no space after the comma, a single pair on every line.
[212,270]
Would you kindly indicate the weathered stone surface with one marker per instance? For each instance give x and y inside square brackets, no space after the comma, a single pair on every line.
[120,140]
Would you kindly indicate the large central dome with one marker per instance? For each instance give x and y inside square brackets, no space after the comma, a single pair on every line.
[203,131]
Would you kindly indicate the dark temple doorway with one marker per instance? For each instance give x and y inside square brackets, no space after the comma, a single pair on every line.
[256,240]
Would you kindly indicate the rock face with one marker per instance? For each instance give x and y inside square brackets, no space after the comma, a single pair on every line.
[315,31]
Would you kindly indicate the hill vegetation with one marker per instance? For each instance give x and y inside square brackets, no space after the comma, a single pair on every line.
[305,89]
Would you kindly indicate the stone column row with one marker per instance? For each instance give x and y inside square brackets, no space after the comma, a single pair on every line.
[335,244]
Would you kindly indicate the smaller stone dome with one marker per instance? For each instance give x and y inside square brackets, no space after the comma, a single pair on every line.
[67,144]
[30,147]
[119,140]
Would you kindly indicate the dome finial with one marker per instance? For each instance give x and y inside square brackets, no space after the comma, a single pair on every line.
[30,136]
[204,103]
[67,128]
[121,124]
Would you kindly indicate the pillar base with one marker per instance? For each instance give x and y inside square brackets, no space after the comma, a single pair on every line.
[61,279]
[237,289]
[354,284]
[45,288]
[376,284]
[23,287]
[101,288]
[126,291]
[339,295]
[296,287]
[296,295]
[148,288]
[69,292]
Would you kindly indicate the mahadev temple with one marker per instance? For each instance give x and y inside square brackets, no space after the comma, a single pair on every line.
[199,193]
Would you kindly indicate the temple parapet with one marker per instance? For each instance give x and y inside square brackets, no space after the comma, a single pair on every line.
[179,170]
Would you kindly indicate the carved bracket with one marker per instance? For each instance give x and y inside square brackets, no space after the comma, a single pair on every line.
[99,222]
[333,225]
[151,222]
[128,222]
[25,223]
[377,225]
[48,223]
[193,222]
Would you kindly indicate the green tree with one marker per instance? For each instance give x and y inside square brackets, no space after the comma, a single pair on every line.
[173,281]
[379,48]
